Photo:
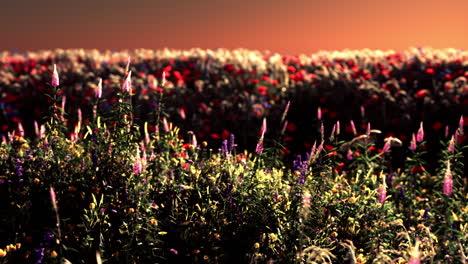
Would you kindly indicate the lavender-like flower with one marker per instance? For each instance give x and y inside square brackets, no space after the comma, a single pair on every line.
[448,181]
[231,144]
[301,167]
[420,135]
[19,167]
[319,113]
[55,77]
[224,147]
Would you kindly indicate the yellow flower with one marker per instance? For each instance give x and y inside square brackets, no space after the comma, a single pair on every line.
[36,180]
[92,205]
[257,245]
[2,253]
[10,248]
[53,254]
[153,221]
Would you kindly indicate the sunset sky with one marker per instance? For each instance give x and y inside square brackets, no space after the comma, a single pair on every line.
[286,26]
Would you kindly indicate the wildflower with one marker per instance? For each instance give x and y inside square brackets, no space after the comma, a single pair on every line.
[285,113]
[20,130]
[301,167]
[138,164]
[127,85]
[224,147]
[448,181]
[413,143]
[319,113]
[382,191]
[338,128]
[461,124]
[420,135]
[55,77]
[98,92]
[451,146]
[387,146]
[256,245]
[231,144]
[332,134]
[128,65]
[446,131]
[353,128]
[19,167]
[259,148]
[53,198]
[415,254]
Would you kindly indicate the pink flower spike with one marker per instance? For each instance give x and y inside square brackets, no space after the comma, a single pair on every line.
[451,146]
[263,129]
[55,77]
[413,143]
[163,82]
[461,124]
[53,198]
[166,125]
[332,134]
[286,110]
[383,191]
[64,101]
[20,130]
[127,85]
[42,132]
[36,128]
[415,254]
[387,146]
[137,164]
[420,135]
[338,128]
[446,131]
[353,127]
[322,130]
[98,92]
[448,181]
[319,113]
[285,125]
[368,129]
[128,65]
[363,112]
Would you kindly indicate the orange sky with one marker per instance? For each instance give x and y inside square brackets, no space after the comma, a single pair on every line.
[287,26]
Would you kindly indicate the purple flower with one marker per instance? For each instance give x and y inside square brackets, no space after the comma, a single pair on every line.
[38,255]
[19,167]
[231,144]
[301,166]
[224,147]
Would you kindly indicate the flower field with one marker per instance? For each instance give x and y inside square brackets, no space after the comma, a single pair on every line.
[233,156]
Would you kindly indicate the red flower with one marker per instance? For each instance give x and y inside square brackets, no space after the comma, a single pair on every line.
[422,93]
[339,167]
[229,68]
[371,148]
[437,126]
[215,136]
[418,169]
[430,71]
[291,69]
[329,147]
[225,134]
[262,90]
[291,127]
